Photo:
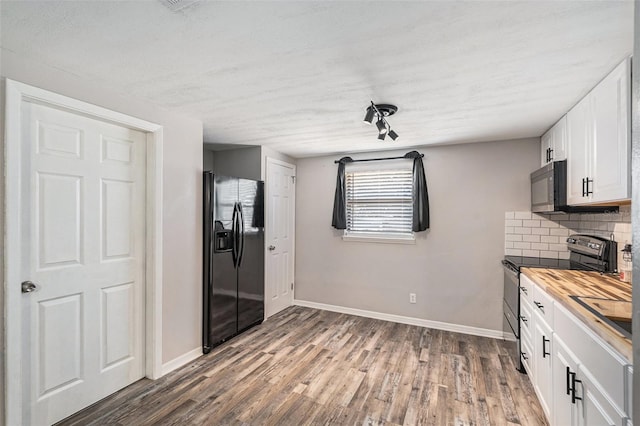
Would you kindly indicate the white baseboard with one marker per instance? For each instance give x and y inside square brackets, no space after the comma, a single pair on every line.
[456,328]
[183,359]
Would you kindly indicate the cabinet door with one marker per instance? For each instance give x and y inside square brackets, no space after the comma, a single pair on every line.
[596,409]
[565,412]
[543,362]
[579,143]
[546,141]
[611,147]
[559,147]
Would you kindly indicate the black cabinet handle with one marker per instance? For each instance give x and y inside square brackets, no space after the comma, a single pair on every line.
[524,319]
[568,381]
[550,154]
[584,191]
[589,192]
[524,290]
[524,356]
[547,158]
[574,398]
[544,347]
[539,306]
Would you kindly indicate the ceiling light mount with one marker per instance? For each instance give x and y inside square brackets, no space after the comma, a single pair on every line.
[382,111]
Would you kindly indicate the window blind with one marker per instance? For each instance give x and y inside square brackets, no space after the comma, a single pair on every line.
[379,201]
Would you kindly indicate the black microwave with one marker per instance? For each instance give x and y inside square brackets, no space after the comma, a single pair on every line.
[549,192]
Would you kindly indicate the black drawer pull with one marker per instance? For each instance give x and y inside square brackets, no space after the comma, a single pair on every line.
[568,381]
[524,290]
[544,347]
[524,319]
[574,398]
[539,305]
[524,356]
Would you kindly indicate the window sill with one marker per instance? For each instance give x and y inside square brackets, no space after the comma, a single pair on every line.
[384,239]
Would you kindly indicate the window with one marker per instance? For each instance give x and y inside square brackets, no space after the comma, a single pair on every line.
[379,200]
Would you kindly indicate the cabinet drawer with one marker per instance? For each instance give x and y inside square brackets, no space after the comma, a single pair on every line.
[525,320]
[527,357]
[606,366]
[543,305]
[526,288]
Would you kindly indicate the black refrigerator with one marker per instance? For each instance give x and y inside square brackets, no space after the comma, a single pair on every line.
[233,264]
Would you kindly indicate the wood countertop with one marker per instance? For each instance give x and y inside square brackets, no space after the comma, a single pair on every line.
[561,284]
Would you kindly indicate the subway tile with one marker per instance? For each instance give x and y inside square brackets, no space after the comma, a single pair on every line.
[512,222]
[531,223]
[523,215]
[549,239]
[513,237]
[532,253]
[539,246]
[576,216]
[508,244]
[508,229]
[549,254]
[564,255]
[548,224]
[509,215]
[540,231]
[557,247]
[522,231]
[513,252]
[522,245]
[560,232]
[531,238]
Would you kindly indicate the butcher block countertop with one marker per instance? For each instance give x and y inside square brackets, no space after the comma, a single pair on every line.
[561,284]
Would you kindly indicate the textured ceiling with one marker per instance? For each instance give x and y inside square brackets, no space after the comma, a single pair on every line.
[297,76]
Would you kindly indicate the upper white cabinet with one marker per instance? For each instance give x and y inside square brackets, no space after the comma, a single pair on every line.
[598,142]
[554,143]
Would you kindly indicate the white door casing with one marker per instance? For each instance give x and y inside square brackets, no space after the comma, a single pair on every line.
[55,235]
[280,240]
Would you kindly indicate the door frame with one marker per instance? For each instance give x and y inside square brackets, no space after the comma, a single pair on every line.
[272,161]
[15,94]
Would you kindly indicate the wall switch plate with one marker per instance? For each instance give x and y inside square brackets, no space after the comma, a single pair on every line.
[412,298]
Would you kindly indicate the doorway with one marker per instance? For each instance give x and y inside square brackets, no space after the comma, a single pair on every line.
[81,276]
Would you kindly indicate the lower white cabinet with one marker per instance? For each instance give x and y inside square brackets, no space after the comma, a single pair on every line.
[597,408]
[565,366]
[579,379]
[543,362]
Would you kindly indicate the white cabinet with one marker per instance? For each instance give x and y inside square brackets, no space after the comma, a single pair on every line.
[598,142]
[580,380]
[543,362]
[554,143]
[597,408]
[565,365]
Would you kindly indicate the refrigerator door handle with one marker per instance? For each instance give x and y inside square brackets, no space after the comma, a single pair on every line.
[235,230]
[241,233]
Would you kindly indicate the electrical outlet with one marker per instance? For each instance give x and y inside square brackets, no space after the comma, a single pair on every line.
[412,298]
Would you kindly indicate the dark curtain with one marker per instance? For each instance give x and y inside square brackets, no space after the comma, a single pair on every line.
[257,221]
[339,220]
[420,195]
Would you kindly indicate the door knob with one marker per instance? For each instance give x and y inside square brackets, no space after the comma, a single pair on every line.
[272,248]
[28,287]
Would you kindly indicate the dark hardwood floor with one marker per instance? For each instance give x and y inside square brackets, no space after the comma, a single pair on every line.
[306,366]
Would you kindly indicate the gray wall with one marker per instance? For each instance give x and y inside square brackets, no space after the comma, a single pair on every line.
[182,188]
[207,159]
[454,268]
[243,162]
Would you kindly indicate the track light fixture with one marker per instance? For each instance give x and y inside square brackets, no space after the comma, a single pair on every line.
[381,111]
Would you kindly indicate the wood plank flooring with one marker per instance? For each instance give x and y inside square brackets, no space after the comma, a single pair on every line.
[306,367]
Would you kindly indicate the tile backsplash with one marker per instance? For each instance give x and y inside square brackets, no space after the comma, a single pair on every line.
[540,235]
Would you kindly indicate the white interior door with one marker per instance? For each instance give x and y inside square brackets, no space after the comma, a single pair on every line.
[279,231]
[83,247]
